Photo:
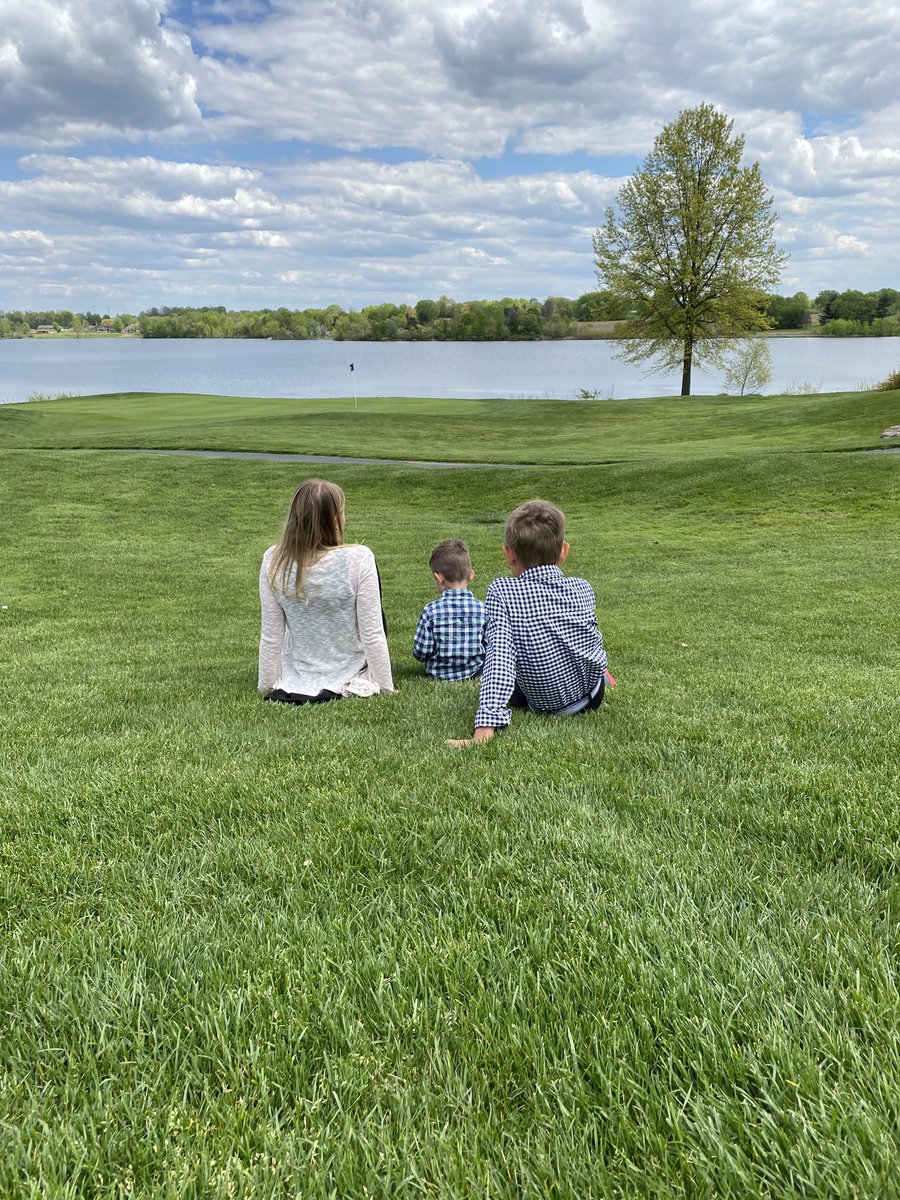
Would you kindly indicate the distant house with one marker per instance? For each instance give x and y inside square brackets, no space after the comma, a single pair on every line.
[44,329]
[132,328]
[106,326]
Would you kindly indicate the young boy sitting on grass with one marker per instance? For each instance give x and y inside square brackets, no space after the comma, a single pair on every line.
[545,651]
[449,639]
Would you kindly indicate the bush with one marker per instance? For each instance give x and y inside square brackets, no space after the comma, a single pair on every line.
[890,384]
[845,328]
[880,327]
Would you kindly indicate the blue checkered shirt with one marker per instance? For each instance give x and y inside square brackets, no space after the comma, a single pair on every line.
[450,637]
[543,638]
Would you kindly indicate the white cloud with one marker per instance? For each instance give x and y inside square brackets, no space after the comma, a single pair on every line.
[410,229]
[470,79]
[170,177]
[830,241]
[823,164]
[548,42]
[24,241]
[254,237]
[814,58]
[101,191]
[75,69]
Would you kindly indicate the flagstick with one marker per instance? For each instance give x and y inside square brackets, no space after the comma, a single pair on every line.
[353,373]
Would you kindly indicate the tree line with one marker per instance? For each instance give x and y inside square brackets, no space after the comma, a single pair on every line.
[841,314]
[443,319]
[18,323]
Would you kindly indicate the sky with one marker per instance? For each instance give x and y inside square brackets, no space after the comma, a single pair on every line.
[299,153]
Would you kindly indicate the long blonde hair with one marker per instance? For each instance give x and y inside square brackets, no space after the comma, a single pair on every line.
[315,523]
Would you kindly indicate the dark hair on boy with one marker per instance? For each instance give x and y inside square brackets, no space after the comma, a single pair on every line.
[451,560]
[535,533]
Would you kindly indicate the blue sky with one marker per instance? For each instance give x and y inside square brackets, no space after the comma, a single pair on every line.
[258,153]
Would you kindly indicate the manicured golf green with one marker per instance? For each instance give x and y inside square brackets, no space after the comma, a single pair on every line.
[251,951]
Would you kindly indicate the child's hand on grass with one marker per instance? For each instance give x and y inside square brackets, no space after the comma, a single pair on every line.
[483,734]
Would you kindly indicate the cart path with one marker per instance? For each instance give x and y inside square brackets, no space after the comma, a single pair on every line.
[341,460]
[327,459]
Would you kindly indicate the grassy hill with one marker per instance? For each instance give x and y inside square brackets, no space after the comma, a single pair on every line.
[262,952]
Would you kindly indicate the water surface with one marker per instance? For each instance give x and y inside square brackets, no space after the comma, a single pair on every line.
[551,370]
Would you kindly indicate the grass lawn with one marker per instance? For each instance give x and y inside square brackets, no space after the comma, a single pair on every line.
[490,431]
[252,951]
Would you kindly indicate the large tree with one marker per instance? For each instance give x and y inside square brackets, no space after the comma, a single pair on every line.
[691,248]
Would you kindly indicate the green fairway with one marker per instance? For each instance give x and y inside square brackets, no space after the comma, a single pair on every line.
[490,431]
[262,952]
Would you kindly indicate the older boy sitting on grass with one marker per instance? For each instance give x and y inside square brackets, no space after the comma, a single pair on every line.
[545,652]
[449,638]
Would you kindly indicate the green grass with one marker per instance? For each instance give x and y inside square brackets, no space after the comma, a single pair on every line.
[259,952]
[530,431]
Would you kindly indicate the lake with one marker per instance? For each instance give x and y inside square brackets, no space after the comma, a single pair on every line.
[543,370]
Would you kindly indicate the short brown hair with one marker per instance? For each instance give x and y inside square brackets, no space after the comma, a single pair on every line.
[451,559]
[535,533]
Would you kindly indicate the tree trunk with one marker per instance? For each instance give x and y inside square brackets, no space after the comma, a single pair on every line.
[686,364]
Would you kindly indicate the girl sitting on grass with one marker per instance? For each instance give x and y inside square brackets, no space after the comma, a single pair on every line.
[322,628]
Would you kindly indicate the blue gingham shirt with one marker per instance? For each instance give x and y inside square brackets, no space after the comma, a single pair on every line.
[543,638]
[450,638]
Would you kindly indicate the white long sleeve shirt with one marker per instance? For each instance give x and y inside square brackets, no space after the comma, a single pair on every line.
[330,637]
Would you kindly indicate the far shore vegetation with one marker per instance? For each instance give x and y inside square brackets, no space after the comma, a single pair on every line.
[598,314]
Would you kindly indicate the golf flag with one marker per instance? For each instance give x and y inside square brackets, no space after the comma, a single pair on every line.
[351,366]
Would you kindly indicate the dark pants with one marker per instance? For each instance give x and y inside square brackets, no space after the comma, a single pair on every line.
[519,700]
[323,697]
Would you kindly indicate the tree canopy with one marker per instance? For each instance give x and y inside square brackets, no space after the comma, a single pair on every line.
[692,249]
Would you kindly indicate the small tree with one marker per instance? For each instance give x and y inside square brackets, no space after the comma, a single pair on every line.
[692,250]
[750,366]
